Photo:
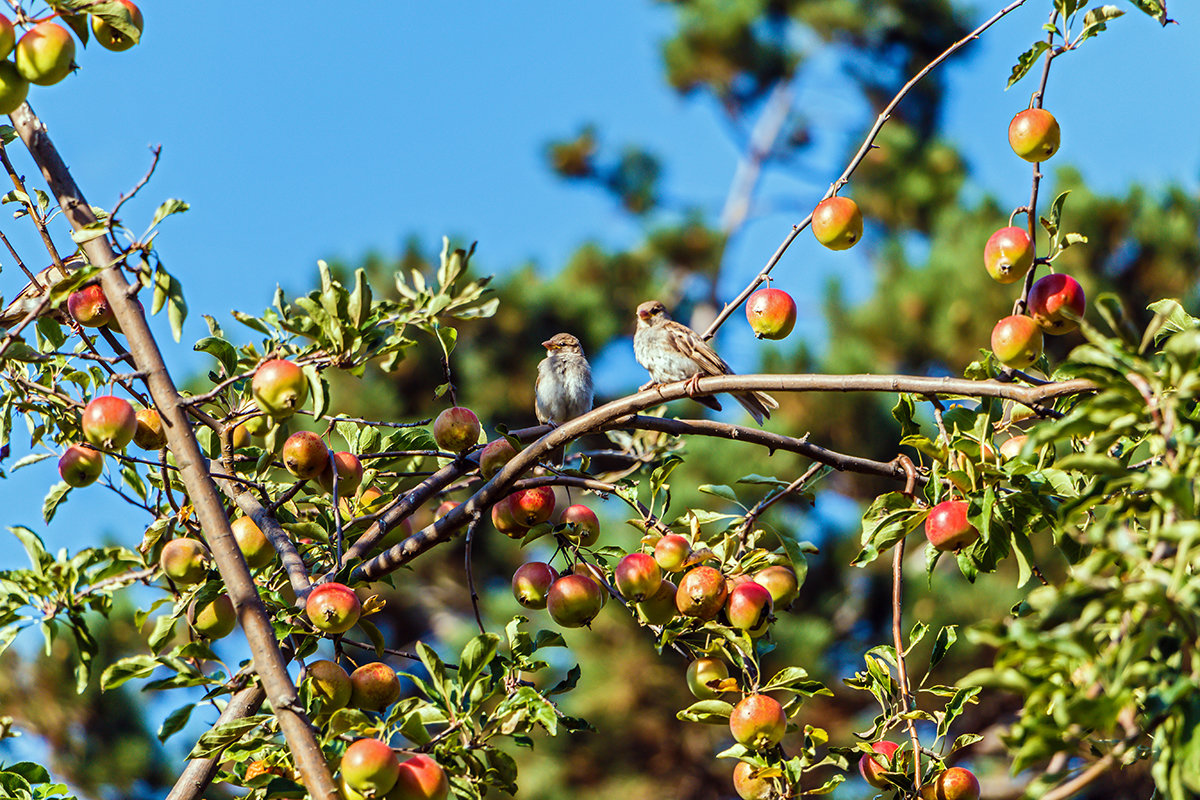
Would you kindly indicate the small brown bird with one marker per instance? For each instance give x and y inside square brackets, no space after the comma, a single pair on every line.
[671,351]
[563,389]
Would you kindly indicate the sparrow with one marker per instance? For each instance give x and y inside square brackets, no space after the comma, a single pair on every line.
[32,295]
[563,389]
[671,351]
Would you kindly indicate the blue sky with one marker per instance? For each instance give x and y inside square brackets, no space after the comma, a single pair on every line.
[303,136]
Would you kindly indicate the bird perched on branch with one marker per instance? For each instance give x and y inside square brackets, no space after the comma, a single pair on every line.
[671,351]
[34,294]
[563,389]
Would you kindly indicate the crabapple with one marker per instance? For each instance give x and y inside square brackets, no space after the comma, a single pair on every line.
[837,223]
[279,387]
[333,607]
[947,527]
[1017,341]
[771,313]
[1034,134]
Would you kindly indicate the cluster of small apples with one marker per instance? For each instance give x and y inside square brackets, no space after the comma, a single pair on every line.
[1055,301]
[306,456]
[45,53]
[108,423]
[374,686]
[955,783]
[371,769]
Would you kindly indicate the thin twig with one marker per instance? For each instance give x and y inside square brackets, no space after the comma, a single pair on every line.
[470,574]
[898,634]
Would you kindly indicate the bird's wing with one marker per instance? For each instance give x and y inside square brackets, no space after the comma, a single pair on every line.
[689,343]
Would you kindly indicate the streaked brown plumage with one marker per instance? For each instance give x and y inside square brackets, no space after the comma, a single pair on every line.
[671,351]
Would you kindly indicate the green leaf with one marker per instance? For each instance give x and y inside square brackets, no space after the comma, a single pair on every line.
[34,547]
[711,711]
[221,350]
[945,639]
[475,657]
[175,721]
[58,492]
[221,736]
[167,208]
[127,669]
[1025,62]
[718,490]
[1155,8]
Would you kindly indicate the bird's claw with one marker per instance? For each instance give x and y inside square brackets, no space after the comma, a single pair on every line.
[692,387]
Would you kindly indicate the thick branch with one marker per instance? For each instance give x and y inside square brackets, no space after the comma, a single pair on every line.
[199,772]
[193,466]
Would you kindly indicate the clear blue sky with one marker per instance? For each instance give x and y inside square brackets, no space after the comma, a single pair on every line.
[334,133]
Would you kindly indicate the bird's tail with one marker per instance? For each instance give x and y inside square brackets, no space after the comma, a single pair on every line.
[757,404]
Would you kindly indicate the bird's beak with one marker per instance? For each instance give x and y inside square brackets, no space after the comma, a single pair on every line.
[546,344]
[643,314]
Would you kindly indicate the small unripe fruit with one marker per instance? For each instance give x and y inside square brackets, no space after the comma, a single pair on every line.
[574,600]
[672,552]
[1017,341]
[1034,134]
[531,583]
[374,687]
[89,307]
[771,313]
[749,606]
[659,609]
[494,456]
[8,36]
[333,607]
[749,787]
[421,778]
[585,526]
[947,528]
[240,437]
[1055,301]
[305,455]
[758,722]
[456,429]
[109,422]
[280,388]
[701,593]
[349,472]
[149,433]
[955,783]
[872,767]
[1008,254]
[446,507]
[45,54]
[837,223]
[503,520]
[370,766]
[1011,448]
[216,620]
[702,674]
[185,561]
[594,572]
[253,543]
[531,507]
[80,465]
[780,582]
[327,680]
[637,577]
[112,39]
[13,90]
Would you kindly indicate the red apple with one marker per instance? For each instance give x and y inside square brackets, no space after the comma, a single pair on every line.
[872,767]
[758,722]
[330,682]
[456,429]
[109,422]
[494,456]
[504,521]
[279,387]
[80,465]
[89,307]
[749,787]
[216,620]
[45,54]
[672,552]
[584,529]
[749,606]
[1056,301]
[637,577]
[1011,448]
[704,675]
[660,608]
[8,36]
[349,472]
[701,593]
[574,600]
[531,583]
[1017,341]
[305,455]
[446,507]
[780,582]
[772,313]
[370,766]
[374,687]
[333,607]
[420,779]
[255,547]
[837,223]
[594,572]
[110,37]
[955,783]
[185,561]
[531,507]
[1008,254]
[1034,134]
[947,528]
